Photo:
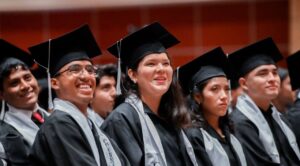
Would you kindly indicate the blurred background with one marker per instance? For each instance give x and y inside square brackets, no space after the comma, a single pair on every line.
[200,25]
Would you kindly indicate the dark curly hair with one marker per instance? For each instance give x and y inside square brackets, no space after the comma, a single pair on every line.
[172,107]
[198,119]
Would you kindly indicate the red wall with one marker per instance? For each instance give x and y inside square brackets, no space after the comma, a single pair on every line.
[200,27]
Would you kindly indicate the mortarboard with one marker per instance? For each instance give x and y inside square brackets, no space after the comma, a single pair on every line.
[211,64]
[244,60]
[79,44]
[9,52]
[153,38]
[293,63]
[53,54]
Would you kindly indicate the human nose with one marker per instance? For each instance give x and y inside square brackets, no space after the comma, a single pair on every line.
[24,84]
[224,95]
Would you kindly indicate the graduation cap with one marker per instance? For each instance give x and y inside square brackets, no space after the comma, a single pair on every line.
[153,38]
[211,64]
[53,54]
[263,52]
[293,63]
[10,53]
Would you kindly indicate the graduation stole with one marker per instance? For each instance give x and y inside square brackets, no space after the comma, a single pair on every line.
[22,123]
[2,154]
[110,155]
[216,152]
[246,106]
[153,149]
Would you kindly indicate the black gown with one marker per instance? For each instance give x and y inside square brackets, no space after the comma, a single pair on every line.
[196,138]
[16,148]
[123,125]
[293,116]
[248,135]
[61,142]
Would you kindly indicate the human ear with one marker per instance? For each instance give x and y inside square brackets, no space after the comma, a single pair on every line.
[132,75]
[243,83]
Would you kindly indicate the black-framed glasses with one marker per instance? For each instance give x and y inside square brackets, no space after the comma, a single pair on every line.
[77,69]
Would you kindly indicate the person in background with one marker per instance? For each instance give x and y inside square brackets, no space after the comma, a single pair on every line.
[286,96]
[105,92]
[266,136]
[235,91]
[205,80]
[293,63]
[19,91]
[70,137]
[148,125]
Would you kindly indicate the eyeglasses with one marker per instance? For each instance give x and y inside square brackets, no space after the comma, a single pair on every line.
[77,69]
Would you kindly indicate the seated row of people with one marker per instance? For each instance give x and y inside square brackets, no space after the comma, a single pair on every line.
[165,117]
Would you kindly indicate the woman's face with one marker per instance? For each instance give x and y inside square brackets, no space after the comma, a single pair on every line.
[214,97]
[153,75]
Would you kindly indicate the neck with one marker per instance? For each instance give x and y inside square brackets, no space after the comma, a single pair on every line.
[263,104]
[152,103]
[213,121]
[280,107]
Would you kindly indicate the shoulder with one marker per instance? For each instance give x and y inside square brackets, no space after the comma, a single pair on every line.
[7,129]
[123,112]
[241,122]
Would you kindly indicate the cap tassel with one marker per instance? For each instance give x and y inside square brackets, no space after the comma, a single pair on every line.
[2,110]
[118,88]
[50,102]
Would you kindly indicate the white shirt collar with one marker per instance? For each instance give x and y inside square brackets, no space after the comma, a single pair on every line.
[28,113]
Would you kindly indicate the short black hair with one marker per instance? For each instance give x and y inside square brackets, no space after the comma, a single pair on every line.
[106,70]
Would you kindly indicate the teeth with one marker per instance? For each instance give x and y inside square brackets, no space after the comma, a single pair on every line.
[84,86]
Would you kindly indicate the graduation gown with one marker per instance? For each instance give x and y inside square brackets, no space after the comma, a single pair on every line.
[293,116]
[255,153]
[196,138]
[123,125]
[61,142]
[17,148]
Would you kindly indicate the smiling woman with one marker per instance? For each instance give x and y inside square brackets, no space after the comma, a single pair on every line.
[153,114]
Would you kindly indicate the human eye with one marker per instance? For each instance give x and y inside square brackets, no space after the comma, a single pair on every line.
[28,77]
[150,64]
[14,83]
[90,69]
[75,69]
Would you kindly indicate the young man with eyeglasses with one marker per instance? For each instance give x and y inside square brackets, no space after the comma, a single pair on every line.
[19,90]
[70,136]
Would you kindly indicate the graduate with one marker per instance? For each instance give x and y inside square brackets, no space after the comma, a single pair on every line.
[293,63]
[19,91]
[105,92]
[148,125]
[70,137]
[205,80]
[286,96]
[264,133]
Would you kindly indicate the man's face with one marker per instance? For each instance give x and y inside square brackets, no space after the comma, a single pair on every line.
[20,89]
[104,96]
[286,94]
[262,83]
[75,84]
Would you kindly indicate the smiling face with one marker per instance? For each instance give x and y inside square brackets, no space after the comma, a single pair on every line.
[262,83]
[76,88]
[20,89]
[214,97]
[153,75]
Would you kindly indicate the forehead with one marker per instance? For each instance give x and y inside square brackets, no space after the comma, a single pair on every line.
[264,67]
[17,72]
[218,80]
[156,56]
[106,78]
